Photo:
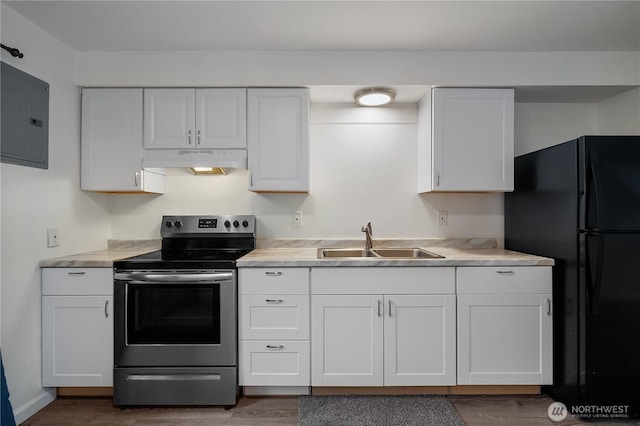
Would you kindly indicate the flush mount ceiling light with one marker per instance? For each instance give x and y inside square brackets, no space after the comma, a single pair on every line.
[208,170]
[374,96]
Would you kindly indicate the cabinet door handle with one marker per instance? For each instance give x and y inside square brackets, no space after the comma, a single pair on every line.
[106,309]
[273,300]
[198,137]
[136,179]
[275,346]
[437,178]
[505,272]
[76,274]
[189,136]
[389,308]
[548,307]
[379,308]
[273,273]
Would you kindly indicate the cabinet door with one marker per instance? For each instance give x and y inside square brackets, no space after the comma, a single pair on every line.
[169,118]
[419,340]
[278,139]
[111,138]
[77,341]
[504,339]
[472,140]
[221,118]
[346,340]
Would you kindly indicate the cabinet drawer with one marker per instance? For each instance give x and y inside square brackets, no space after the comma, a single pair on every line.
[273,316]
[77,281]
[273,280]
[383,280]
[274,363]
[507,279]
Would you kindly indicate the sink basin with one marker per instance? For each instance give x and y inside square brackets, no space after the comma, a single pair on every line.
[406,253]
[343,253]
[386,253]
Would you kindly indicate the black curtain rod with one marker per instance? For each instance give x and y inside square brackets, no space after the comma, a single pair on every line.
[14,52]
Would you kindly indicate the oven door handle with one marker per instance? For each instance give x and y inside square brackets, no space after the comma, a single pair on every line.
[195,278]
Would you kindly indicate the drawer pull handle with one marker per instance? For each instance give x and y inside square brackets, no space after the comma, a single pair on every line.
[76,274]
[273,273]
[275,346]
[548,307]
[505,272]
[273,300]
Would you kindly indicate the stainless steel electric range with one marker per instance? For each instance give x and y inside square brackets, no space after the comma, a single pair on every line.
[175,322]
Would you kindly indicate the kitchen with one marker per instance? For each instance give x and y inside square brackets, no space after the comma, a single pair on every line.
[362,161]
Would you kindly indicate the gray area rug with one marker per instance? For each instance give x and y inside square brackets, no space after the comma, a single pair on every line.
[355,410]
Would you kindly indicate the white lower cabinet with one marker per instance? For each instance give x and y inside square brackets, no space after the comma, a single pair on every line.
[504,325]
[382,338]
[273,318]
[77,327]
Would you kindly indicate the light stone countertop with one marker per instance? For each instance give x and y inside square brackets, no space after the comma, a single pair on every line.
[307,257]
[116,250]
[303,253]
[456,252]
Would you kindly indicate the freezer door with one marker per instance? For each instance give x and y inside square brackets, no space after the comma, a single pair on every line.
[610,183]
[611,370]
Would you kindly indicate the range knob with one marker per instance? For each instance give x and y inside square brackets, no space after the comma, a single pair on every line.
[227,224]
[245,223]
[178,224]
[168,224]
[236,223]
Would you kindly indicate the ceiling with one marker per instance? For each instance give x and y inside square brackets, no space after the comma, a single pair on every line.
[340,26]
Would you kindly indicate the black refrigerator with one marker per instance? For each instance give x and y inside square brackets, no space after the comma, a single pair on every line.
[579,203]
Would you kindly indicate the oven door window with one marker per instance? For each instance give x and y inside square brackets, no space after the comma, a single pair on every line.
[173,314]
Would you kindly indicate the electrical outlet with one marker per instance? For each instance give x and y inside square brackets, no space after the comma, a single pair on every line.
[442,218]
[297,219]
[53,237]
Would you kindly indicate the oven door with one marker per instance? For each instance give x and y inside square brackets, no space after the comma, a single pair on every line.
[175,318]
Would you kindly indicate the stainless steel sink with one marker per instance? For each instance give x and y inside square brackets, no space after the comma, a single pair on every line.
[329,253]
[386,253]
[406,253]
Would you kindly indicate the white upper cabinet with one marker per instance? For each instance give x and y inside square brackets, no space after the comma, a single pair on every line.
[195,118]
[466,140]
[111,139]
[278,139]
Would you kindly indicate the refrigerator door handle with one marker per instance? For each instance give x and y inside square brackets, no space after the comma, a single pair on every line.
[594,277]
[594,167]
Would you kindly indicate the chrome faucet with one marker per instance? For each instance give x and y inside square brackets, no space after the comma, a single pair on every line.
[367,232]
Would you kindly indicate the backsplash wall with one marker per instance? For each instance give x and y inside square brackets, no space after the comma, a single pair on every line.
[362,170]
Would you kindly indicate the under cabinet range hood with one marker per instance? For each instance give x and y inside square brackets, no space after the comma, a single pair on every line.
[229,158]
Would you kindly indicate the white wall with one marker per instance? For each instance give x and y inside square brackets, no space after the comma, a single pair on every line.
[540,125]
[363,169]
[34,200]
[620,115]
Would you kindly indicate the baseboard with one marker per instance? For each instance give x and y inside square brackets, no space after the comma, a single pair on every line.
[275,390]
[86,391]
[35,404]
[381,390]
[430,390]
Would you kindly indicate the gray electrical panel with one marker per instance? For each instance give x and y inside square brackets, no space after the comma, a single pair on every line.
[25,119]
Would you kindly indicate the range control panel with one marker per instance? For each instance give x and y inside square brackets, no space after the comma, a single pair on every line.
[224,224]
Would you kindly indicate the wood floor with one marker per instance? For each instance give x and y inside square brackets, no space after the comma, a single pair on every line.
[522,410]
